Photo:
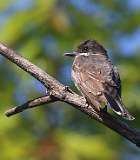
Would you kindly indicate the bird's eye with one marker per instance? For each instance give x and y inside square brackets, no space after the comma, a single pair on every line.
[85,48]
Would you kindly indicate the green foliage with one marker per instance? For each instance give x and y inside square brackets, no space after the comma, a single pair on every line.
[76,146]
[42,31]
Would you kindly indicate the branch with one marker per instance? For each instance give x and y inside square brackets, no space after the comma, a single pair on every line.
[29,67]
[30,104]
[64,94]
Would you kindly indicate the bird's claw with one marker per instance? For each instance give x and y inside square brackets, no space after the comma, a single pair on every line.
[67,88]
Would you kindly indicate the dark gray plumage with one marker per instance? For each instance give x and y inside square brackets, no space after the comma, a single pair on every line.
[97,78]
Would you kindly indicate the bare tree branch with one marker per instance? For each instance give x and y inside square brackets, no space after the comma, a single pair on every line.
[29,67]
[62,93]
[30,104]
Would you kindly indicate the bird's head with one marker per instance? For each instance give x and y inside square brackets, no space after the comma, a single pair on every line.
[88,46]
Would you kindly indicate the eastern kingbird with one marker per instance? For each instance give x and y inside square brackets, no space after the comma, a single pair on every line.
[96,77]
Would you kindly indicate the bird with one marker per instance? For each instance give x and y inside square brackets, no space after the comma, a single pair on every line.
[97,78]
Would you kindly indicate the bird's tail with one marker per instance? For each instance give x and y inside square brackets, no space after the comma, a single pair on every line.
[118,107]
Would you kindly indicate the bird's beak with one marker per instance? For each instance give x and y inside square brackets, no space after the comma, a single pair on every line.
[73,54]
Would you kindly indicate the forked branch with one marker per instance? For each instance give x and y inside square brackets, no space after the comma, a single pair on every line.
[59,92]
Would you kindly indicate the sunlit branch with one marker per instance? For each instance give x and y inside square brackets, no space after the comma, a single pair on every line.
[30,104]
[62,93]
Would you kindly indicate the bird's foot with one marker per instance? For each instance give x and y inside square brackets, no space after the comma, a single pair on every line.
[87,105]
[67,88]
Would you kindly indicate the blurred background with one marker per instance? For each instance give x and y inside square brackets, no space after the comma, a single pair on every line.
[42,31]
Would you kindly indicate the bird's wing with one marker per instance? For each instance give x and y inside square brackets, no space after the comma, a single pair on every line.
[112,92]
[111,78]
[117,80]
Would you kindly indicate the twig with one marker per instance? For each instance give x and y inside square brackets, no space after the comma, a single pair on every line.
[30,104]
[62,93]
